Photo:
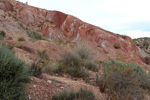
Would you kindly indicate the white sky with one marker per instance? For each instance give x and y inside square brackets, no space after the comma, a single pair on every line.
[127,17]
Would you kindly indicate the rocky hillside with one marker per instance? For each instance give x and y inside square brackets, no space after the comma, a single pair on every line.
[143,45]
[33,32]
[16,20]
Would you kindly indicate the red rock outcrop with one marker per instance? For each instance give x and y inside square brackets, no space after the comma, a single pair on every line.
[6,5]
[58,26]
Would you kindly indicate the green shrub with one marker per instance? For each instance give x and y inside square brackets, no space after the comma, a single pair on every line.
[9,38]
[143,77]
[145,82]
[117,45]
[147,60]
[21,24]
[43,54]
[80,55]
[82,94]
[124,36]
[70,59]
[78,72]
[55,67]
[14,75]
[90,64]
[40,64]
[34,35]
[122,81]
[59,68]
[87,57]
[36,68]
[77,60]
[84,51]
[9,46]
[2,35]
[21,39]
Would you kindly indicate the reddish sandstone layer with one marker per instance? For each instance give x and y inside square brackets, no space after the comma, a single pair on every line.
[58,26]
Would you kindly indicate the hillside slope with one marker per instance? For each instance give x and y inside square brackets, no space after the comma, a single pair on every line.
[143,45]
[30,30]
[63,28]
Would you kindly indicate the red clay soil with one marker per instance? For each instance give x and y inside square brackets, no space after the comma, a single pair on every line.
[28,50]
[45,87]
[41,90]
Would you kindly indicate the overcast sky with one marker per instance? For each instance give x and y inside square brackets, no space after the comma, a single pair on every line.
[128,17]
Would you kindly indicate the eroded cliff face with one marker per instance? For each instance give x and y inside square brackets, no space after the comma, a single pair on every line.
[60,27]
[6,5]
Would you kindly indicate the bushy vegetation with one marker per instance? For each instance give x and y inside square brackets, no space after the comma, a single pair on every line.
[69,58]
[77,72]
[9,38]
[145,44]
[21,39]
[86,55]
[117,45]
[76,61]
[90,64]
[2,35]
[36,68]
[40,64]
[54,67]
[9,46]
[123,81]
[82,94]
[142,42]
[34,35]
[147,60]
[14,75]
[124,36]
[59,68]
[43,54]
[80,55]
